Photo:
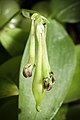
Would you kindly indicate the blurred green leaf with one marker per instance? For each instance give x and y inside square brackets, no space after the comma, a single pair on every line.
[62,59]
[15,21]
[4,55]
[66,10]
[73,113]
[61,114]
[13,40]
[74,91]
[25,25]
[43,7]
[7,9]
[9,72]
[9,110]
[7,88]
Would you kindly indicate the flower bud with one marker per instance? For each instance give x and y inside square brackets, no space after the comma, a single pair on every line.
[27,70]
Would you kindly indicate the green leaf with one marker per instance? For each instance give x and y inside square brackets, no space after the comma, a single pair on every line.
[8,8]
[66,10]
[74,91]
[9,72]
[3,55]
[61,114]
[26,25]
[9,110]
[39,6]
[7,88]
[73,112]
[62,59]
[68,113]
[13,40]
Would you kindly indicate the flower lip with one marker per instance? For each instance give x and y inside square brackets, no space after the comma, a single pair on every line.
[51,76]
[27,71]
[49,87]
[47,83]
